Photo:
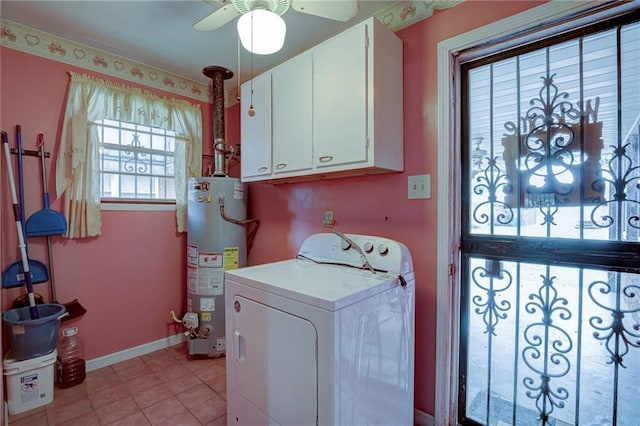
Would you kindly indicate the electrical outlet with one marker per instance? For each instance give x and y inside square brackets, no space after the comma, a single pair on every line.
[328,221]
[419,187]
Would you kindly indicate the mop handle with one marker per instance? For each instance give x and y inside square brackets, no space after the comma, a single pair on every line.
[20,177]
[12,184]
[21,243]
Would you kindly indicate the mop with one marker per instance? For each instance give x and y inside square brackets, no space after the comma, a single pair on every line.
[33,309]
[14,275]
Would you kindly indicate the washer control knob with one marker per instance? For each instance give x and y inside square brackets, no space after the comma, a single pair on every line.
[368,247]
[345,245]
[383,249]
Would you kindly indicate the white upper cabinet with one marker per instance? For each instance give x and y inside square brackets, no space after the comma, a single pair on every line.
[340,99]
[255,131]
[336,110]
[291,115]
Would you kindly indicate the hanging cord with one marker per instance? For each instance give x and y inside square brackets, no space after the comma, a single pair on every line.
[238,74]
[252,225]
[251,111]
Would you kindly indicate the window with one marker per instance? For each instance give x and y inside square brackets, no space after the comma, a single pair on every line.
[120,142]
[136,162]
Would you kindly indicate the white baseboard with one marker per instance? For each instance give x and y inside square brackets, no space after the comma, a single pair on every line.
[421,418]
[103,361]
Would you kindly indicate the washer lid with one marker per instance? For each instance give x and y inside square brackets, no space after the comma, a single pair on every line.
[329,287]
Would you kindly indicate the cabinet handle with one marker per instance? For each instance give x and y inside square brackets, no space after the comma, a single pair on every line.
[281,166]
[263,169]
[325,158]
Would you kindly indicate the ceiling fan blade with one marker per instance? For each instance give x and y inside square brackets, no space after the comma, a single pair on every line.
[217,19]
[342,10]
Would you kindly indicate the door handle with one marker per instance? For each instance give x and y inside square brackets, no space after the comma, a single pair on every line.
[240,346]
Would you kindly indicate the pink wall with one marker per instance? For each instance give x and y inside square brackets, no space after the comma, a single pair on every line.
[378,205]
[131,276]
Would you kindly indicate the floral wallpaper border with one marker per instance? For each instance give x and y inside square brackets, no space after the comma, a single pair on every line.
[29,40]
[405,13]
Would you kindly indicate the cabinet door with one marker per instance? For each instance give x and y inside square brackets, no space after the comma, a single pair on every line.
[292,101]
[255,132]
[340,99]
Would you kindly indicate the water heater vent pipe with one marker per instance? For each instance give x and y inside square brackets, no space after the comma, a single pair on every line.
[218,75]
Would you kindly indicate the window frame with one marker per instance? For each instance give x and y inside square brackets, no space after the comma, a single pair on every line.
[136,128]
[127,203]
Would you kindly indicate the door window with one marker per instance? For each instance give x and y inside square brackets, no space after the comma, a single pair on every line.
[550,254]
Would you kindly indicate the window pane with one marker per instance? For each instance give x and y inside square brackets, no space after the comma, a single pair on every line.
[545,160]
[537,332]
[144,140]
[136,161]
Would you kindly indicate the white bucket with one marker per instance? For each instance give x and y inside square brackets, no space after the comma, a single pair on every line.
[29,382]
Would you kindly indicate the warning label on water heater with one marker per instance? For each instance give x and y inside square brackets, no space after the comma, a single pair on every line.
[207,304]
[192,255]
[208,280]
[210,260]
[231,256]
[238,191]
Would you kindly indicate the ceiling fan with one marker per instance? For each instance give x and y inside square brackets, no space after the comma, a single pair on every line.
[342,10]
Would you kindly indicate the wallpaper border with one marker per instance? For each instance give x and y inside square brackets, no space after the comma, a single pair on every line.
[30,40]
[39,43]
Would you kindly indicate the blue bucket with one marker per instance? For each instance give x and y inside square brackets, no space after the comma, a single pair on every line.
[31,338]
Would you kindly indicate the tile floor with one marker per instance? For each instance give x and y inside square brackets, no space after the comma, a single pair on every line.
[166,387]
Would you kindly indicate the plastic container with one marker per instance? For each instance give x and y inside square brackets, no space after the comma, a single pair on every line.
[31,338]
[29,382]
[70,365]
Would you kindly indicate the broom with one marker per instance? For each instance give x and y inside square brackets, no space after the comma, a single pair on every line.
[48,222]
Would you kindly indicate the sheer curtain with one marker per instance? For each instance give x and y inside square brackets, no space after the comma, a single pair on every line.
[78,174]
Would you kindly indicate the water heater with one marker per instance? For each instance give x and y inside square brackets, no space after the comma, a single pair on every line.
[216,242]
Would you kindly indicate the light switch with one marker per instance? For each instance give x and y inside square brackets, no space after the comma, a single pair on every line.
[419,187]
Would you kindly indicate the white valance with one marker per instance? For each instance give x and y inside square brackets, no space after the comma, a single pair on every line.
[91,99]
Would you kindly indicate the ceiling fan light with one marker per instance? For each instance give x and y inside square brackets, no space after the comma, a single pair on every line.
[267,28]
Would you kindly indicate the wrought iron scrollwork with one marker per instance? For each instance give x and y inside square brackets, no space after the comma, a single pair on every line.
[548,346]
[550,152]
[618,337]
[621,176]
[553,152]
[493,281]
[488,182]
[137,164]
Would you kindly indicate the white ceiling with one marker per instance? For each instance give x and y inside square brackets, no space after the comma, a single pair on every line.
[160,34]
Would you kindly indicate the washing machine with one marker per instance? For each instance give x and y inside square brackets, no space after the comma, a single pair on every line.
[326,338]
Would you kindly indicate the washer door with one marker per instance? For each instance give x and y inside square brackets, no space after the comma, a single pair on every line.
[274,362]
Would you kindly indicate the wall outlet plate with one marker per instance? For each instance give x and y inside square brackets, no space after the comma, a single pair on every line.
[419,187]
[328,221]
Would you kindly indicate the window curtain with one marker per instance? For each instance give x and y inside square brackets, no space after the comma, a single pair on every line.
[78,171]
